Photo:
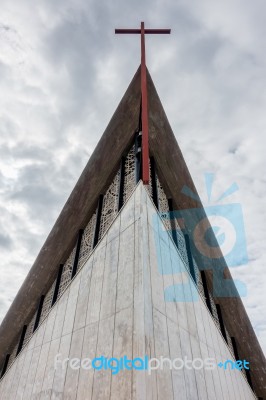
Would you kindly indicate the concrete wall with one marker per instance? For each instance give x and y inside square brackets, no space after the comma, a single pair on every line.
[114,307]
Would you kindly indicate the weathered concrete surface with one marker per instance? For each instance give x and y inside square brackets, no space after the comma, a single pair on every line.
[116,307]
[174,175]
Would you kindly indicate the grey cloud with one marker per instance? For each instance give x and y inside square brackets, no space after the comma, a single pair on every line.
[5,242]
[62,85]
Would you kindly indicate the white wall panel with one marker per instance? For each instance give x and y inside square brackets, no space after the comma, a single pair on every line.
[48,378]
[116,306]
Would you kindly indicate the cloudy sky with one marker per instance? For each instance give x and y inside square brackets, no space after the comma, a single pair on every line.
[62,74]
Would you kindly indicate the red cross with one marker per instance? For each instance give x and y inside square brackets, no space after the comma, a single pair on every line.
[144,98]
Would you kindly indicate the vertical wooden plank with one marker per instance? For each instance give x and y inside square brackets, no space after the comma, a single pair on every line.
[241,383]
[102,378]
[180,278]
[47,384]
[186,295]
[137,201]
[71,306]
[72,375]
[110,279]
[40,333]
[36,392]
[204,315]
[128,214]
[29,348]
[178,376]
[209,379]
[234,383]
[8,378]
[190,296]
[161,280]
[125,269]
[226,383]
[151,380]
[60,372]
[19,369]
[212,348]
[121,382]
[23,378]
[110,299]
[207,349]
[193,308]
[60,315]
[95,293]
[199,373]
[158,249]
[234,378]
[190,379]
[215,334]
[248,392]
[219,345]
[152,213]
[168,280]
[164,376]
[2,387]
[83,295]
[138,379]
[199,321]
[32,372]
[50,324]
[218,382]
[88,351]
[228,376]
[4,383]
[114,230]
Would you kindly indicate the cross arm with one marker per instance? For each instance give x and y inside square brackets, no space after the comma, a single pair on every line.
[146,31]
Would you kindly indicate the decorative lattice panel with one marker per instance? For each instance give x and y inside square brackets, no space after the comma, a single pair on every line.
[130,174]
[181,244]
[149,186]
[198,279]
[162,199]
[67,272]
[110,205]
[87,241]
[214,311]
[47,302]
[13,355]
[163,206]
[29,331]
[229,341]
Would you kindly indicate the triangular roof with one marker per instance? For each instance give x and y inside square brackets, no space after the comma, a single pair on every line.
[78,209]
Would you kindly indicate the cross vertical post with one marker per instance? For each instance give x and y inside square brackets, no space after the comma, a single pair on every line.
[144,112]
[144,95]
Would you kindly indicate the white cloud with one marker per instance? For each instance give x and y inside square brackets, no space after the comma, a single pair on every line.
[62,73]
